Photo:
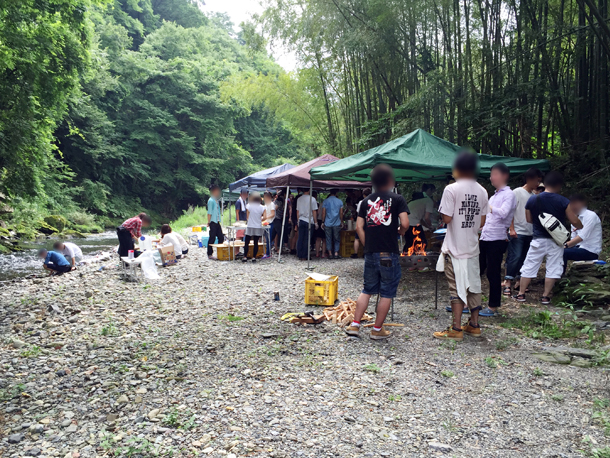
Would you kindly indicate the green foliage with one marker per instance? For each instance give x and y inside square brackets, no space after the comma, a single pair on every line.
[43,50]
[601,414]
[447,373]
[552,325]
[126,114]
[372,368]
[31,352]
[231,318]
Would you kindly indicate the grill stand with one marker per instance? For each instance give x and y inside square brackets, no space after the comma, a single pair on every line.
[435,296]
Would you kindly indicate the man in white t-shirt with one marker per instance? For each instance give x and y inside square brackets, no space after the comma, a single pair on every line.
[463,208]
[586,243]
[70,250]
[304,205]
[521,232]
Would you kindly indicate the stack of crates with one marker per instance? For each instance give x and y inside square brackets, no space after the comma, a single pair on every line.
[346,248]
[321,292]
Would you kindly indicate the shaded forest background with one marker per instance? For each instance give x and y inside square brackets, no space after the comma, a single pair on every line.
[108,107]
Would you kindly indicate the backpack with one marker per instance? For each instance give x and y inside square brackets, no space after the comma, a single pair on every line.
[553,226]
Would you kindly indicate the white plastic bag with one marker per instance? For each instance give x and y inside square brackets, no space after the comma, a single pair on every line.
[149,268]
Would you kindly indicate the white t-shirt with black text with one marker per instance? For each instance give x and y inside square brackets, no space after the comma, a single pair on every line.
[466,202]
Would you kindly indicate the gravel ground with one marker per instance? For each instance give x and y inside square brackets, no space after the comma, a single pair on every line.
[200,363]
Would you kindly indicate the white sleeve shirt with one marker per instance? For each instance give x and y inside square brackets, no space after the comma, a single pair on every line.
[591,232]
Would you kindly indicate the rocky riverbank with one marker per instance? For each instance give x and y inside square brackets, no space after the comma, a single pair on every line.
[200,363]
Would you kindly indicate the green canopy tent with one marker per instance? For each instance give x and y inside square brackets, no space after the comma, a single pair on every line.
[418,156]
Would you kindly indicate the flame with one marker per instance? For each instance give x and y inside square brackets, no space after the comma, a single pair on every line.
[418,248]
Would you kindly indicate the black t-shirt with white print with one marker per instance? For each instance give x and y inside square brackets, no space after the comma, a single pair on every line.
[380,211]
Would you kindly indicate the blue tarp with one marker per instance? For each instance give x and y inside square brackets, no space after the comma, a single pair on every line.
[259,179]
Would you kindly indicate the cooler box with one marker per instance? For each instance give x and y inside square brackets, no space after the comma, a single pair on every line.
[321,289]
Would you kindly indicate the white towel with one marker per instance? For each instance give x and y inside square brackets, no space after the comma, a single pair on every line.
[467,274]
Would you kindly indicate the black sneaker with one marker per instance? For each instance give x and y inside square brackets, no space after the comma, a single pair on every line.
[244,260]
[254,260]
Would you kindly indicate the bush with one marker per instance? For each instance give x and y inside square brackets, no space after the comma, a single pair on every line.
[88,229]
[56,221]
[81,218]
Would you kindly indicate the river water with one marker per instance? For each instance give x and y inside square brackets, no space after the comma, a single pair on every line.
[26,262]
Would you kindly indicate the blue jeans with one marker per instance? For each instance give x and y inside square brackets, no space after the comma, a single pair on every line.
[577,254]
[303,243]
[333,241]
[382,274]
[517,251]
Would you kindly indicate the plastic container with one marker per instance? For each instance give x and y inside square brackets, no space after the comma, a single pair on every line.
[130,254]
[321,292]
[146,243]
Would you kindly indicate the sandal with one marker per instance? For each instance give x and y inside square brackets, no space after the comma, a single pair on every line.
[507,291]
[466,310]
[545,300]
[519,297]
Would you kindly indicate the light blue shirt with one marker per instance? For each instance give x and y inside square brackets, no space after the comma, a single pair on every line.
[213,210]
[333,206]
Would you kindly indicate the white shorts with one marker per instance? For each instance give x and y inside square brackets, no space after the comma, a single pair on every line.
[539,250]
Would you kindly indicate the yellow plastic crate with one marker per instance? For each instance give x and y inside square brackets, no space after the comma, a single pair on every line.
[321,292]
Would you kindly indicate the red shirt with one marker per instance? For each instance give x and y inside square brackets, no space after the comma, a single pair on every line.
[134,225]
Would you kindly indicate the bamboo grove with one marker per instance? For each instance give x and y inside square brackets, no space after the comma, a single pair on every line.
[509,77]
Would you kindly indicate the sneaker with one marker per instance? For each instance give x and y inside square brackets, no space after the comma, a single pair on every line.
[352,331]
[471,330]
[354,256]
[212,258]
[449,334]
[244,260]
[266,257]
[254,261]
[380,335]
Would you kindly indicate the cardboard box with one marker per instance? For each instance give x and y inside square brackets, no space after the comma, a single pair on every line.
[168,256]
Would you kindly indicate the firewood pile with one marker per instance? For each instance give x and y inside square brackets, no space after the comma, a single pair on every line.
[343,314]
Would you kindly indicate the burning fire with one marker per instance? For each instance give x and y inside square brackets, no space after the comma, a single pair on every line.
[419,247]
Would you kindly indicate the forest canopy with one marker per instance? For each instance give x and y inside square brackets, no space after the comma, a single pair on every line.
[113,106]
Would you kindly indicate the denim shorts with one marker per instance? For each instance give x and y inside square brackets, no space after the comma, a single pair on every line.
[380,278]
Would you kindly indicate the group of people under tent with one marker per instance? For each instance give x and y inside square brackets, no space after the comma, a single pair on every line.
[329,216]
[480,231]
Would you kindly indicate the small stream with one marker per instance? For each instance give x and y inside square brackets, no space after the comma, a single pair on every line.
[26,262]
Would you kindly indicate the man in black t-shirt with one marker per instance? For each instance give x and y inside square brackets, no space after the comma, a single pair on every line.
[382,216]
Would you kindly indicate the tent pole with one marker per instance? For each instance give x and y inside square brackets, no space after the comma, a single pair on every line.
[279,256]
[309,228]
